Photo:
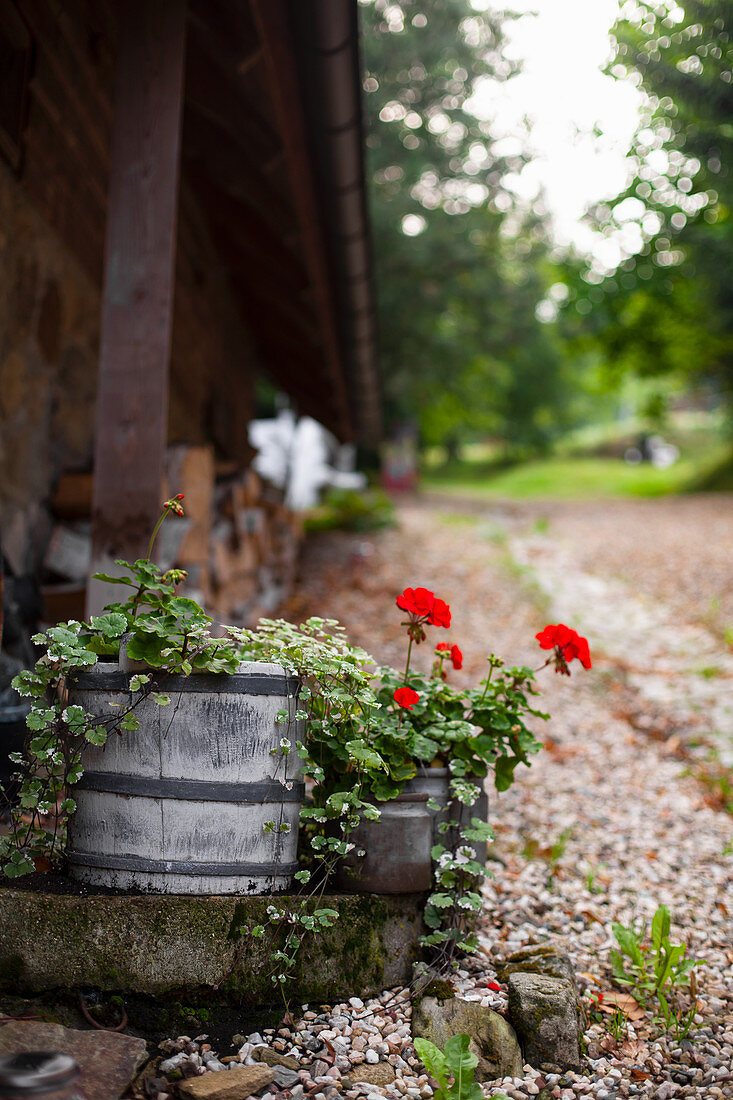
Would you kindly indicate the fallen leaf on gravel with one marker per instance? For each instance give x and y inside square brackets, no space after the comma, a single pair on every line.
[560,752]
[586,975]
[592,914]
[640,1074]
[612,1000]
[634,1048]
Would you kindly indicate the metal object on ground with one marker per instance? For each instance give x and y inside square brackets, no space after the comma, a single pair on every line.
[45,1074]
[184,804]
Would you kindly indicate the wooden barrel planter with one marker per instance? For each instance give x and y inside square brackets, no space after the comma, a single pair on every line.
[434,783]
[182,805]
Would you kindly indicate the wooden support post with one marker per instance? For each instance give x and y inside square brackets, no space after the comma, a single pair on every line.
[137,308]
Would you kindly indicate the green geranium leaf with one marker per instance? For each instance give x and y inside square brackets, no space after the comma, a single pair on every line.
[363,754]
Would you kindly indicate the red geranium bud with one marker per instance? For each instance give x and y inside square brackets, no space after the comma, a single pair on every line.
[456,656]
[406,697]
[178,496]
[442,646]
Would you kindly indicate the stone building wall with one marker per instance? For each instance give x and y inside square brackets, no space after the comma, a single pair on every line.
[49,335]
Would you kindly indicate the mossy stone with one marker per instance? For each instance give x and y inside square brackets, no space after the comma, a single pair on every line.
[538,959]
[182,947]
[544,1011]
[492,1038]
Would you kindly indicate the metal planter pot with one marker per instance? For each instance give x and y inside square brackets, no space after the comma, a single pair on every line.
[397,847]
[434,783]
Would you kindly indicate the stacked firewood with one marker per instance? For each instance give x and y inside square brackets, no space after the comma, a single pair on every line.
[237,541]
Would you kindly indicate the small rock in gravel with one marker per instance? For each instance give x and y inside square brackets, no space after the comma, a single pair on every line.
[272,1057]
[285,1077]
[170,1064]
[237,1084]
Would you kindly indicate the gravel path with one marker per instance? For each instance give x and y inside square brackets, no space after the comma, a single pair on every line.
[605,825]
[608,823]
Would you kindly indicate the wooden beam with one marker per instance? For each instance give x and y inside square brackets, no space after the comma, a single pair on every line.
[132,402]
[219,95]
[272,20]
[244,242]
[226,32]
[232,171]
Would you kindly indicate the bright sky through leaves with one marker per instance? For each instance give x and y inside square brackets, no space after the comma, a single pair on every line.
[581,121]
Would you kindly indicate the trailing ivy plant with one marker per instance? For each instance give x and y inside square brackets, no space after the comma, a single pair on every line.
[338,716]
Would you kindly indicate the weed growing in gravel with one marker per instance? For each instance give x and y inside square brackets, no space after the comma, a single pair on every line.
[618,1025]
[590,879]
[455,1061]
[675,1019]
[655,968]
[558,848]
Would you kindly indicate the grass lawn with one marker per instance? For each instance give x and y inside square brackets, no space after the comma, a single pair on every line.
[570,478]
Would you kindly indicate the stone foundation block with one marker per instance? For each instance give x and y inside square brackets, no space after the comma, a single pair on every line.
[155,944]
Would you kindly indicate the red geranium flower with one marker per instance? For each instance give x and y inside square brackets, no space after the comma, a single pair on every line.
[423,607]
[567,644]
[417,601]
[455,654]
[406,697]
[440,614]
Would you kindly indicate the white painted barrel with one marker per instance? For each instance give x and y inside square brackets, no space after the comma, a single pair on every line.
[181,805]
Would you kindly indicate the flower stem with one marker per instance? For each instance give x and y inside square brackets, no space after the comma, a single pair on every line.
[155,533]
[407,663]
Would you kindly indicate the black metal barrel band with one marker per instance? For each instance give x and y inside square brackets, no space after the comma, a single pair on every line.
[237,683]
[264,791]
[140,864]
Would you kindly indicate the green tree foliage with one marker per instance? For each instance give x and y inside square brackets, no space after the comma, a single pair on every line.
[669,307]
[457,286]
